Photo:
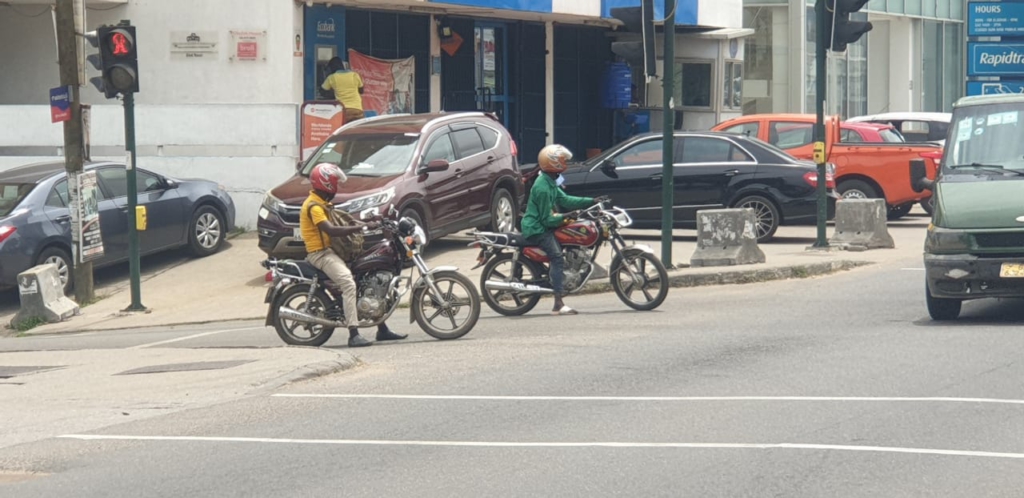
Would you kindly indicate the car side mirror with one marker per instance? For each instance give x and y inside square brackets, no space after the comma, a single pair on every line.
[436,165]
[170,184]
[919,180]
[608,168]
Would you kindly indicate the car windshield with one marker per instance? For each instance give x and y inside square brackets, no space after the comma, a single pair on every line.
[890,135]
[367,155]
[986,135]
[11,194]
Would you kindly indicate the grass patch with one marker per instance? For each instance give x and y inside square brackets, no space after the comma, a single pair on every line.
[29,324]
[94,300]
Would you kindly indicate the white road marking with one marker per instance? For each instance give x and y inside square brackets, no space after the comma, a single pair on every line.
[657,398]
[193,336]
[553,444]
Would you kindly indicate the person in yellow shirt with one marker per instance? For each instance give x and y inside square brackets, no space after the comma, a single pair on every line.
[317,230]
[348,89]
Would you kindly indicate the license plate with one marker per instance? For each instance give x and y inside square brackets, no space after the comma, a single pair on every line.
[297,234]
[1012,270]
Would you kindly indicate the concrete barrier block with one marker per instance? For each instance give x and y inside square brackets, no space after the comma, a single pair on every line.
[42,296]
[861,224]
[726,237]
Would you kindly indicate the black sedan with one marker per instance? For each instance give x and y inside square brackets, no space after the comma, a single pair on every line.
[35,222]
[711,171]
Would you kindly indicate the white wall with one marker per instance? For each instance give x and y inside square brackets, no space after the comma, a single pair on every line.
[24,42]
[719,13]
[904,63]
[577,7]
[879,44]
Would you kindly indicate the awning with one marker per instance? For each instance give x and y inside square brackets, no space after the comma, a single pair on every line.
[725,33]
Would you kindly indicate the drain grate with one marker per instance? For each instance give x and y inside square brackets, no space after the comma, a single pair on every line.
[186,367]
[7,372]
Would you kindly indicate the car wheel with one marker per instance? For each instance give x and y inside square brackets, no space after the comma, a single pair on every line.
[857,189]
[942,309]
[766,215]
[900,211]
[503,212]
[415,216]
[206,231]
[62,260]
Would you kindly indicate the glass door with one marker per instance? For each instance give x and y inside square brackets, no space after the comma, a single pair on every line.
[492,69]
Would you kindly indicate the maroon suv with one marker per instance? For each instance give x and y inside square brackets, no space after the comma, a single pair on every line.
[448,171]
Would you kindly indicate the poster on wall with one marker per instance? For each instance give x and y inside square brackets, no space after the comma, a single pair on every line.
[248,45]
[194,45]
[389,84]
[319,120]
[83,193]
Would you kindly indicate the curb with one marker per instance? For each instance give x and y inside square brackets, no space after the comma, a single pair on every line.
[344,362]
[743,276]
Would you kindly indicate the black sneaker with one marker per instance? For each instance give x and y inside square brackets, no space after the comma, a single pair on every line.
[358,341]
[386,334]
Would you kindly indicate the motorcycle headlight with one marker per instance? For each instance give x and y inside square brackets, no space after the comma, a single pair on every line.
[419,236]
[943,240]
[369,201]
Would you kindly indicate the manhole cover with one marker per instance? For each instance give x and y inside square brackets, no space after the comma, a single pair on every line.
[186,367]
[7,372]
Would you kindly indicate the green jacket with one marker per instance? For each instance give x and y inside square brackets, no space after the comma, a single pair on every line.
[545,196]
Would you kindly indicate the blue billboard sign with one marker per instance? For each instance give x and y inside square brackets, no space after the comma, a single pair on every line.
[994,87]
[995,59]
[995,19]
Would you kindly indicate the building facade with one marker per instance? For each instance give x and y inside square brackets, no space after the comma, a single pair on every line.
[223,83]
[913,59]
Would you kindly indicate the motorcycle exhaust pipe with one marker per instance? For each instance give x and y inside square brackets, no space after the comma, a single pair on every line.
[298,316]
[517,287]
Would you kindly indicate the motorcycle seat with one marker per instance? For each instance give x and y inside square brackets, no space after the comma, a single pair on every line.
[505,238]
[302,268]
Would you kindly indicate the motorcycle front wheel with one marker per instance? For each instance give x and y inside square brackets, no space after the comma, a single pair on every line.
[298,333]
[504,270]
[455,314]
[639,279]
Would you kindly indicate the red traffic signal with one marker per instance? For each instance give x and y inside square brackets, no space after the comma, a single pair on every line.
[120,44]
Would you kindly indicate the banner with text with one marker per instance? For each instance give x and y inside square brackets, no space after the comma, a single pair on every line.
[319,121]
[85,215]
[388,85]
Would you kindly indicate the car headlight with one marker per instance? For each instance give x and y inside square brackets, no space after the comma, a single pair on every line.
[419,236]
[273,203]
[943,240]
[369,201]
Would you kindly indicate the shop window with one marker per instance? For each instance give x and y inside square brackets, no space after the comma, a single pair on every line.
[694,79]
[732,93]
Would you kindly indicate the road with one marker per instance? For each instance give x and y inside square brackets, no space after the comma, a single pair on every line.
[834,386]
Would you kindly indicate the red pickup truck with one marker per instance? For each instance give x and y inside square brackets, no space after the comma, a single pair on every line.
[873,170]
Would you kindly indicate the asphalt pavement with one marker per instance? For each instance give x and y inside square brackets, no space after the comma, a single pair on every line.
[830,386]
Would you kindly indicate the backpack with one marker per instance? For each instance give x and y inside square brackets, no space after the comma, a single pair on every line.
[348,247]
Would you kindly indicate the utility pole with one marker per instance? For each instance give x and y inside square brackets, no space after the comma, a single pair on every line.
[668,140]
[822,43]
[74,142]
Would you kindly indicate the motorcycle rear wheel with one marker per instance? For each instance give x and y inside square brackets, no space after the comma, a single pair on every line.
[464,305]
[317,306]
[653,288]
[498,300]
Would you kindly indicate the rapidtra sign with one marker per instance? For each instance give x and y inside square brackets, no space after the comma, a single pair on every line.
[995,59]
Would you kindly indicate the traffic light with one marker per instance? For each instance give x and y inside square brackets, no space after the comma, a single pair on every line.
[637,20]
[839,29]
[117,59]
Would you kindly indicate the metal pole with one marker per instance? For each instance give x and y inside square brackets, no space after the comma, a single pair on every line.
[668,150]
[74,160]
[133,200]
[819,127]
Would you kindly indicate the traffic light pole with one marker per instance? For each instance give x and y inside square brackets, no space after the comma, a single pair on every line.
[819,126]
[74,141]
[668,150]
[133,200]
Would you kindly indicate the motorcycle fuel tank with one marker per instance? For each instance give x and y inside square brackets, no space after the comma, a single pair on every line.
[580,233]
[380,256]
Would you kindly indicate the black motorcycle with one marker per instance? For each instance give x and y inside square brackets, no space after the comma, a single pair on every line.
[305,306]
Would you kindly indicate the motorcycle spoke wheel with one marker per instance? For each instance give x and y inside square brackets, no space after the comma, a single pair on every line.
[640,281]
[299,333]
[505,302]
[454,312]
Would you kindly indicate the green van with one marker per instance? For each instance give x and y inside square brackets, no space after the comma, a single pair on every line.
[975,243]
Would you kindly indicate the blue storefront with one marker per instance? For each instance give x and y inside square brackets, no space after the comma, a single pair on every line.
[995,64]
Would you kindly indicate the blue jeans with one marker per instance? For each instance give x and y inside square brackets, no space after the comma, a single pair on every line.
[547,242]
